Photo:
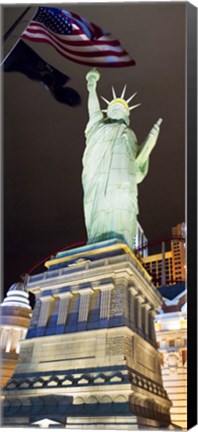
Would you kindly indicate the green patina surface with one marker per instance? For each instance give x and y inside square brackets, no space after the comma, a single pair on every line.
[113,165]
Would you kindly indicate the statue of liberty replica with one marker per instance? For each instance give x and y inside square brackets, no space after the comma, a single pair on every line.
[113,165]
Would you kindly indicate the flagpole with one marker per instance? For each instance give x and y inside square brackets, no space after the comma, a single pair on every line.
[10,30]
[13,26]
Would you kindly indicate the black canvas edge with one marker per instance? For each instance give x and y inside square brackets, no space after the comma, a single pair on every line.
[191,204]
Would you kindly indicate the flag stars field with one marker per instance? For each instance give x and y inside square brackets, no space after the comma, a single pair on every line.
[54,22]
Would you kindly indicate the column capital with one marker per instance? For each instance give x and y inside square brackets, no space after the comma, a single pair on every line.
[141,299]
[134,291]
[148,307]
[121,277]
[106,287]
[62,295]
[46,298]
[85,291]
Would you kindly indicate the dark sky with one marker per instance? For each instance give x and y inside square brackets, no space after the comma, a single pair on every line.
[43,140]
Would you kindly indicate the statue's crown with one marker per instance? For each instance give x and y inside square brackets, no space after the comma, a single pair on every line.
[121,100]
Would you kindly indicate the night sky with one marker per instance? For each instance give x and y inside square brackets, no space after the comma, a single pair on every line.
[43,140]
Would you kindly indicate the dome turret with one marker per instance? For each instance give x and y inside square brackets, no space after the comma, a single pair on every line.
[17,296]
[15,315]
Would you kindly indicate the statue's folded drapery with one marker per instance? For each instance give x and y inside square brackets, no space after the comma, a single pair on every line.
[109,182]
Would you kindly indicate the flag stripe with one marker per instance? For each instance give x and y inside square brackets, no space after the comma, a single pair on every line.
[73,39]
[76,38]
[100,61]
[90,51]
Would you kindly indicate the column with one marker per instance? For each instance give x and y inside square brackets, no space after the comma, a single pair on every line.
[21,336]
[152,336]
[140,303]
[15,339]
[143,313]
[4,338]
[64,299]
[105,301]
[32,329]
[44,314]
[133,311]
[9,340]
[147,309]
[84,307]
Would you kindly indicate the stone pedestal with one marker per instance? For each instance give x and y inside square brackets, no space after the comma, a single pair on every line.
[90,359]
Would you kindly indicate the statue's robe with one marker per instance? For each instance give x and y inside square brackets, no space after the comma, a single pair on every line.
[110,176]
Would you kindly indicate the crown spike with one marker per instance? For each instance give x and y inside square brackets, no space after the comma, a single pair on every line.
[123,92]
[107,102]
[129,100]
[114,93]
[134,106]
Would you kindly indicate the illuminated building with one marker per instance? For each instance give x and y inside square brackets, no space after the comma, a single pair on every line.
[90,357]
[168,270]
[168,267]
[171,332]
[178,252]
[15,315]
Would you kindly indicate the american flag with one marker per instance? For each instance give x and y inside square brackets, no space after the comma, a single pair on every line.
[76,38]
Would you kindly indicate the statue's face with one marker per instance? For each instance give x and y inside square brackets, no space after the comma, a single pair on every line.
[117,111]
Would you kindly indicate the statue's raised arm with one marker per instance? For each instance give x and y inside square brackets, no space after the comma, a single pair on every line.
[142,158]
[149,143]
[93,103]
